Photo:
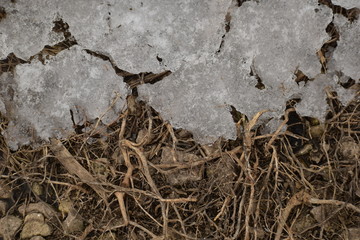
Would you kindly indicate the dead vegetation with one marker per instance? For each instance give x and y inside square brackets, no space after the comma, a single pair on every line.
[141,179]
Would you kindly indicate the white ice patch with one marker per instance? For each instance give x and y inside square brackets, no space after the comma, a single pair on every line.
[274,38]
[27,28]
[44,94]
[135,33]
[270,38]
[347,53]
[348,4]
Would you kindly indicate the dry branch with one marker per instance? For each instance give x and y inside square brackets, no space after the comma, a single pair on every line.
[75,168]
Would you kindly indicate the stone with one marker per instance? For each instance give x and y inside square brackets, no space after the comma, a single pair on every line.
[40,207]
[73,223]
[35,228]
[9,226]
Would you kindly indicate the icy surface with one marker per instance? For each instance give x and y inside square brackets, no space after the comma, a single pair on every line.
[348,4]
[135,33]
[27,28]
[347,53]
[42,95]
[198,95]
[314,98]
[279,42]
[213,67]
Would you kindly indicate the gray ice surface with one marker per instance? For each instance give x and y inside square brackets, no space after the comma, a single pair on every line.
[348,4]
[42,96]
[133,33]
[137,32]
[263,38]
[347,53]
[27,28]
[211,67]
[314,98]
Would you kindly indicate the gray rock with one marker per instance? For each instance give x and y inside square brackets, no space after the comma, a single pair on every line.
[35,228]
[40,207]
[34,217]
[3,207]
[9,226]
[37,238]
[73,223]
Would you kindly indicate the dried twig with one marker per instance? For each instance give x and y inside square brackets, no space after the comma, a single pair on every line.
[277,132]
[295,200]
[148,177]
[304,197]
[74,167]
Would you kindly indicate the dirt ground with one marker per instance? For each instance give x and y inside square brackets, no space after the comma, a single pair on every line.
[140,178]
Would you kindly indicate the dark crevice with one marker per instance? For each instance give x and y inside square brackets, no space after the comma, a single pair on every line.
[48,50]
[300,77]
[9,63]
[145,78]
[334,104]
[78,128]
[351,14]
[227,29]
[345,81]
[227,21]
[239,119]
[295,125]
[134,92]
[221,44]
[327,48]
[132,79]
[62,27]
[236,115]
[102,56]
[325,52]
[348,84]
[2,13]
[159,59]
[240,2]
[260,85]
[59,27]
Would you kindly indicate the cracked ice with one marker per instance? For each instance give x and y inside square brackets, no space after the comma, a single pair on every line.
[270,39]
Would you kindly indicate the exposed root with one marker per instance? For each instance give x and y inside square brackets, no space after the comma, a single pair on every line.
[73,167]
[255,187]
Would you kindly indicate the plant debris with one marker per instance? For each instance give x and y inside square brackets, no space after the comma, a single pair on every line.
[142,179]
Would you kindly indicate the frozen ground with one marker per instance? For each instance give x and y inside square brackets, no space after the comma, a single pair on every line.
[347,3]
[347,53]
[220,54]
[42,96]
